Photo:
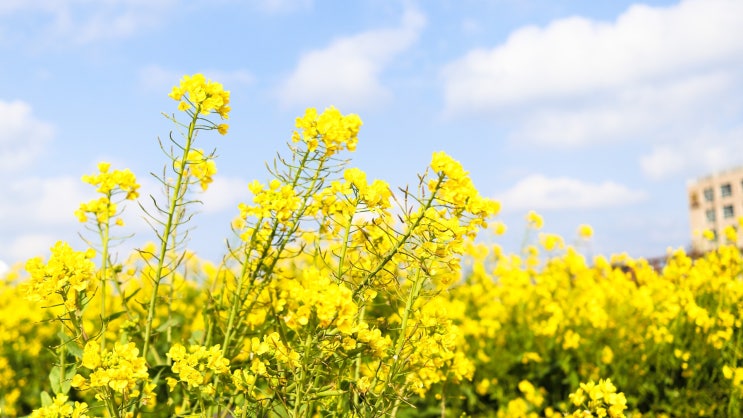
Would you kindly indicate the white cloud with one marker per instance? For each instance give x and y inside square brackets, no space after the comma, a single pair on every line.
[26,246]
[577,80]
[225,193]
[660,110]
[3,268]
[539,192]
[155,77]
[22,136]
[42,201]
[346,73]
[82,21]
[696,155]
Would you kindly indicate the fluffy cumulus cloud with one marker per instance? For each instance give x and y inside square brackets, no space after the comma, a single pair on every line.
[654,72]
[698,155]
[224,194]
[539,192]
[347,72]
[22,137]
[81,21]
[36,212]
[30,245]
[41,201]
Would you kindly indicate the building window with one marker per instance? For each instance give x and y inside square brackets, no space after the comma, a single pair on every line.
[694,200]
[709,194]
[727,211]
[726,190]
[710,215]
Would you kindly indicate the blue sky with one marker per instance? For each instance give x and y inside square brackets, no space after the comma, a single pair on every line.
[586,111]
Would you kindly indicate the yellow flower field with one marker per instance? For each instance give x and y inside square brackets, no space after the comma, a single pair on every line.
[341,296]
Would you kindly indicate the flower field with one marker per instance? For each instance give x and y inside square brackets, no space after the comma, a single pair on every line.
[343,296]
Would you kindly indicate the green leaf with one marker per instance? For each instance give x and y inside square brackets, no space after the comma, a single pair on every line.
[68,375]
[61,384]
[196,337]
[54,376]
[171,322]
[126,299]
[113,316]
[46,400]
[74,348]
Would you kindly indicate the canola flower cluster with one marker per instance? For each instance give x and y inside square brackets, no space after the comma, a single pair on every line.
[338,296]
[120,370]
[61,407]
[202,96]
[108,184]
[194,365]
[600,399]
[68,274]
[336,131]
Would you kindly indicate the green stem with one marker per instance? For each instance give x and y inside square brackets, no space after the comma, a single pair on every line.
[170,224]
[357,368]
[302,377]
[400,343]
[402,240]
[104,278]
[346,235]
[733,410]
[62,355]
[169,227]
[267,246]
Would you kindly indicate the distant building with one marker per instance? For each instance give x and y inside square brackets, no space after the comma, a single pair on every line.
[715,202]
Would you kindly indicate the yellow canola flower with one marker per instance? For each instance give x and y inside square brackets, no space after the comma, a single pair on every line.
[120,369]
[585,231]
[534,220]
[457,187]
[332,129]
[202,96]
[109,183]
[600,399]
[551,242]
[201,167]
[731,234]
[66,270]
[61,408]
[195,365]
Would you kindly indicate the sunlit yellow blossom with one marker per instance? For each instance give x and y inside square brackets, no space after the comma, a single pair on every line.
[66,270]
[551,242]
[61,408]
[204,96]
[731,234]
[201,167]
[585,231]
[109,184]
[197,364]
[333,130]
[120,369]
[534,220]
[607,355]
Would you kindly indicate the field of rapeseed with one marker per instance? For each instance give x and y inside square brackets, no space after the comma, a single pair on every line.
[338,296]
